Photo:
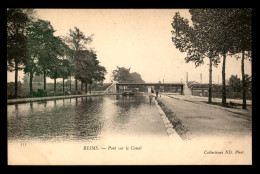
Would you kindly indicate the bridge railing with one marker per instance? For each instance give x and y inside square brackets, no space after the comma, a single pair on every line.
[109,88]
[164,82]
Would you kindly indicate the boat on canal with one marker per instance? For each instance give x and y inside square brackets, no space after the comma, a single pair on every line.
[128,93]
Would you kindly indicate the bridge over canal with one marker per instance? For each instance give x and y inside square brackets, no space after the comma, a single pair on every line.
[114,88]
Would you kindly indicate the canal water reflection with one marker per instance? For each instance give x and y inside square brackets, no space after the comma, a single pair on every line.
[79,119]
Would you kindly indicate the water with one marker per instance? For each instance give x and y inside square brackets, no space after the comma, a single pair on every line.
[79,119]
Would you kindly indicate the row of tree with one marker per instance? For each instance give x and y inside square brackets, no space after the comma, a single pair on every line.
[33,47]
[215,33]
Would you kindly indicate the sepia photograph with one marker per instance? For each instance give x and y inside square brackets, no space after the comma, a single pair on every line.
[129,86]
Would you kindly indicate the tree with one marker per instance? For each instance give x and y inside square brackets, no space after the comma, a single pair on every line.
[25,79]
[242,33]
[122,74]
[17,21]
[30,68]
[77,41]
[32,53]
[58,66]
[62,51]
[248,84]
[65,71]
[82,64]
[40,51]
[235,83]
[69,54]
[88,68]
[135,78]
[193,40]
[98,75]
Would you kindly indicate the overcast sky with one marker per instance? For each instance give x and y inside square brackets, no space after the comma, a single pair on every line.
[136,38]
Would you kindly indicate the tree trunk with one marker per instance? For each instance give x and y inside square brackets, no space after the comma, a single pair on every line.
[90,88]
[86,88]
[224,81]
[44,79]
[76,85]
[243,80]
[70,84]
[210,81]
[31,87]
[16,81]
[63,85]
[81,86]
[54,86]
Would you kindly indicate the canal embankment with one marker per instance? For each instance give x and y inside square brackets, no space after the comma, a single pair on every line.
[36,99]
[173,125]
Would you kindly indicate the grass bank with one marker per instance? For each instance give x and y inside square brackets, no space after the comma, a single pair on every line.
[175,121]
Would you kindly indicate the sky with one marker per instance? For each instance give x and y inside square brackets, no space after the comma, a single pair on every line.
[139,39]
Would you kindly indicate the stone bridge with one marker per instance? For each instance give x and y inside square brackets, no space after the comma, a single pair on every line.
[114,88]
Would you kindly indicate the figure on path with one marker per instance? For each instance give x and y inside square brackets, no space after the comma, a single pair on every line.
[161,90]
[151,96]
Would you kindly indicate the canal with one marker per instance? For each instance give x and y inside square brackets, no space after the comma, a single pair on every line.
[103,130]
[84,119]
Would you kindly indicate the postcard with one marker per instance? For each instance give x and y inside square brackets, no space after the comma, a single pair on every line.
[129,86]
